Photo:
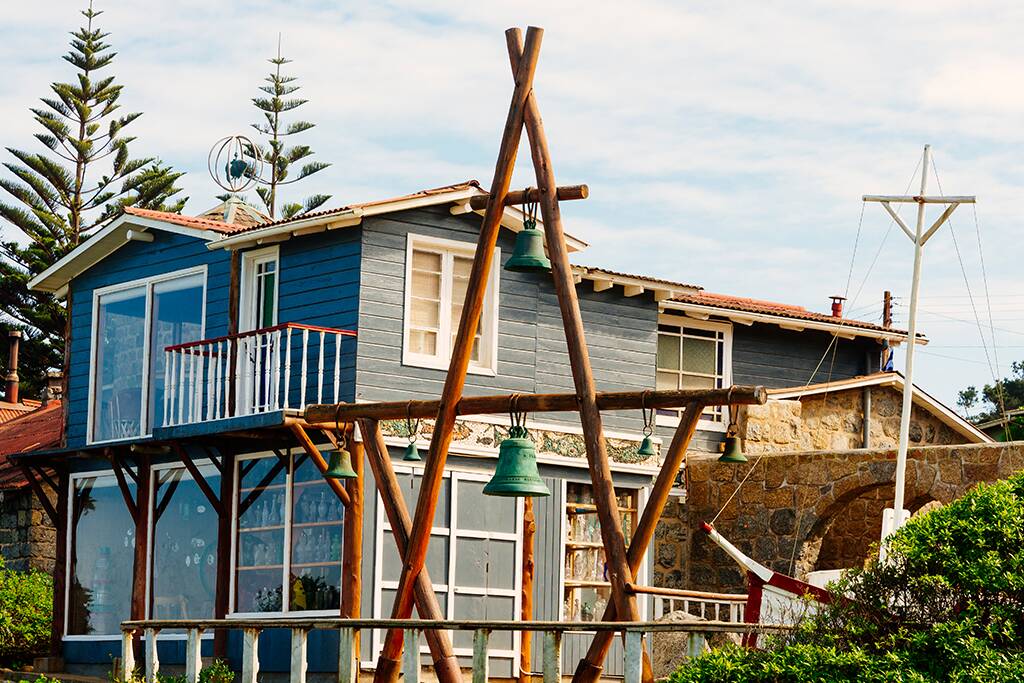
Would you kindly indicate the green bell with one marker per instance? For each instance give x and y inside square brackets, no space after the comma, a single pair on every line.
[528,255]
[341,465]
[516,473]
[646,448]
[732,451]
[237,168]
[412,454]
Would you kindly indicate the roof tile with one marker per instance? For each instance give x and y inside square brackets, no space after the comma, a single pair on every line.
[37,430]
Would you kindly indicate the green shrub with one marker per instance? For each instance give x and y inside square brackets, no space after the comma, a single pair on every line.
[26,610]
[947,606]
[217,672]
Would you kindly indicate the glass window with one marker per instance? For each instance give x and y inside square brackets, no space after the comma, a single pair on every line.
[184,545]
[693,357]
[437,278]
[102,547]
[587,589]
[289,541]
[133,326]
[120,353]
[258,307]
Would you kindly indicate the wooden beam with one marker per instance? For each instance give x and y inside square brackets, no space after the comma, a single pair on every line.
[60,578]
[324,414]
[352,546]
[590,667]
[526,591]
[222,590]
[601,285]
[601,480]
[198,477]
[516,197]
[140,562]
[40,494]
[314,454]
[476,287]
[632,290]
[162,503]
[446,666]
[122,484]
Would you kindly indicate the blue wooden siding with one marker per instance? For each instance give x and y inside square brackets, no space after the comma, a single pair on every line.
[769,355]
[168,252]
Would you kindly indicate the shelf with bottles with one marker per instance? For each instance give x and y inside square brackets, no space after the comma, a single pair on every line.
[261,567]
[585,602]
[318,544]
[254,529]
[591,508]
[261,550]
[266,511]
[313,506]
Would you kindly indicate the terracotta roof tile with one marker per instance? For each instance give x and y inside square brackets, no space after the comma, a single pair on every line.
[738,303]
[646,278]
[37,430]
[187,221]
[9,411]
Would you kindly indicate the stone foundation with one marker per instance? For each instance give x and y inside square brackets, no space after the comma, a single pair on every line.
[27,540]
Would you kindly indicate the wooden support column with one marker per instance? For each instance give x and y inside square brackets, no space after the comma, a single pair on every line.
[579,357]
[140,563]
[589,669]
[352,547]
[60,574]
[526,592]
[455,380]
[234,289]
[222,592]
[446,666]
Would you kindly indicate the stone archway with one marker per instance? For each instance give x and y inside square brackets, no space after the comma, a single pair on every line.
[839,537]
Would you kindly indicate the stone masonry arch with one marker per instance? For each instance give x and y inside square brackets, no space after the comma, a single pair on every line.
[797,512]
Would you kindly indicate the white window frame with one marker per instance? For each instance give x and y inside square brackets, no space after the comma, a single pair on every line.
[726,330]
[447,585]
[286,552]
[247,289]
[488,364]
[148,283]
[642,492]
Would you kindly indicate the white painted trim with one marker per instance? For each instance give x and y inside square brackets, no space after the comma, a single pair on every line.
[147,283]
[632,285]
[246,288]
[489,319]
[726,330]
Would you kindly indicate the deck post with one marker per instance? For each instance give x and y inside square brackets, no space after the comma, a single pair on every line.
[589,668]
[446,666]
[601,479]
[348,655]
[152,658]
[553,657]
[411,656]
[127,656]
[480,637]
[526,591]
[222,589]
[476,288]
[193,656]
[297,670]
[140,562]
[352,547]
[250,655]
[633,665]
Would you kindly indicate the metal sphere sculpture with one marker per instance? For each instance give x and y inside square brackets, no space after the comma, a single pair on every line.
[235,163]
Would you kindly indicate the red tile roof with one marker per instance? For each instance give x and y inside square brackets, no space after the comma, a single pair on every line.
[37,430]
[9,411]
[738,303]
[646,278]
[187,221]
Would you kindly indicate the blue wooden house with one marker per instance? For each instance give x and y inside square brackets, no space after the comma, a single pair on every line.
[196,341]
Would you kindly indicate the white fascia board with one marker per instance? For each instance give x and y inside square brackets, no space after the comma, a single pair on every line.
[787,323]
[282,232]
[102,244]
[632,286]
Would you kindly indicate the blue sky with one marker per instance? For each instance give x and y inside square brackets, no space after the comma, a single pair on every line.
[725,144]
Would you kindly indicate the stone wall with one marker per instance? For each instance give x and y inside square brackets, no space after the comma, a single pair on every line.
[27,540]
[835,421]
[797,512]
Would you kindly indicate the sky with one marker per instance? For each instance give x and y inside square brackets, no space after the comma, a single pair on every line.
[725,144]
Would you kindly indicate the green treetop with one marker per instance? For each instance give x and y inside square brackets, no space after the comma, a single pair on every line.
[56,197]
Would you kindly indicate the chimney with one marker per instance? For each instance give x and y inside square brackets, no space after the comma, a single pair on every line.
[54,387]
[11,395]
[837,306]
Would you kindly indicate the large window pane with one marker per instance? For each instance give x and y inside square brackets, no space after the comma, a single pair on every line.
[177,318]
[120,347]
[102,547]
[184,545]
[315,578]
[261,524]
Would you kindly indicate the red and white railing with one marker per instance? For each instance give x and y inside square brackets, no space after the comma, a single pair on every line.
[284,367]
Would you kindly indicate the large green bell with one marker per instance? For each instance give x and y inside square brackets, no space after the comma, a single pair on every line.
[516,473]
[412,454]
[340,466]
[732,452]
[646,448]
[528,255]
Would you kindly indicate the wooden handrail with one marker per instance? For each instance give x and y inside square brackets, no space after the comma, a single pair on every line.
[262,330]
[690,595]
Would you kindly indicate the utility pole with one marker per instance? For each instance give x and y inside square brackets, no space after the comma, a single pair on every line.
[895,517]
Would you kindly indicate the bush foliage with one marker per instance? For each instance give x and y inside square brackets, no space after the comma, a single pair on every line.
[948,605]
[26,609]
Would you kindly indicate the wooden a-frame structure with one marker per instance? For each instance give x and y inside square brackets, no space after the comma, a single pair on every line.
[412,532]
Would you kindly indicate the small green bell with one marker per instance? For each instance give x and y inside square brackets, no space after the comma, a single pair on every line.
[528,255]
[732,451]
[412,454]
[341,465]
[237,168]
[646,447]
[516,473]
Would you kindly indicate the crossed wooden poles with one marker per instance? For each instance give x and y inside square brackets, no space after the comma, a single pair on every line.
[412,534]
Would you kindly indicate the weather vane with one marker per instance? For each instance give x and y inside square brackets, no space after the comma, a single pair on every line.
[235,163]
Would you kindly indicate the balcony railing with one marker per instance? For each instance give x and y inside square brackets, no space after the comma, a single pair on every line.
[550,633]
[274,368]
[711,606]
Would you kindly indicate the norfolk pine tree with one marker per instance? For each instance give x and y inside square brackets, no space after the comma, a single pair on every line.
[276,156]
[56,198]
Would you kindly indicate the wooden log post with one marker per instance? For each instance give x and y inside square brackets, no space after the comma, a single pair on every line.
[352,547]
[140,562]
[579,357]
[454,381]
[222,590]
[526,591]
[516,197]
[446,666]
[589,669]
[60,574]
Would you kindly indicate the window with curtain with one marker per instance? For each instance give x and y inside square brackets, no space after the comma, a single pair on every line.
[693,355]
[437,278]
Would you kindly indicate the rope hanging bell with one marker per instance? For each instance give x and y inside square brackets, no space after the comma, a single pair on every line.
[412,453]
[646,446]
[516,473]
[340,466]
[528,255]
[731,450]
